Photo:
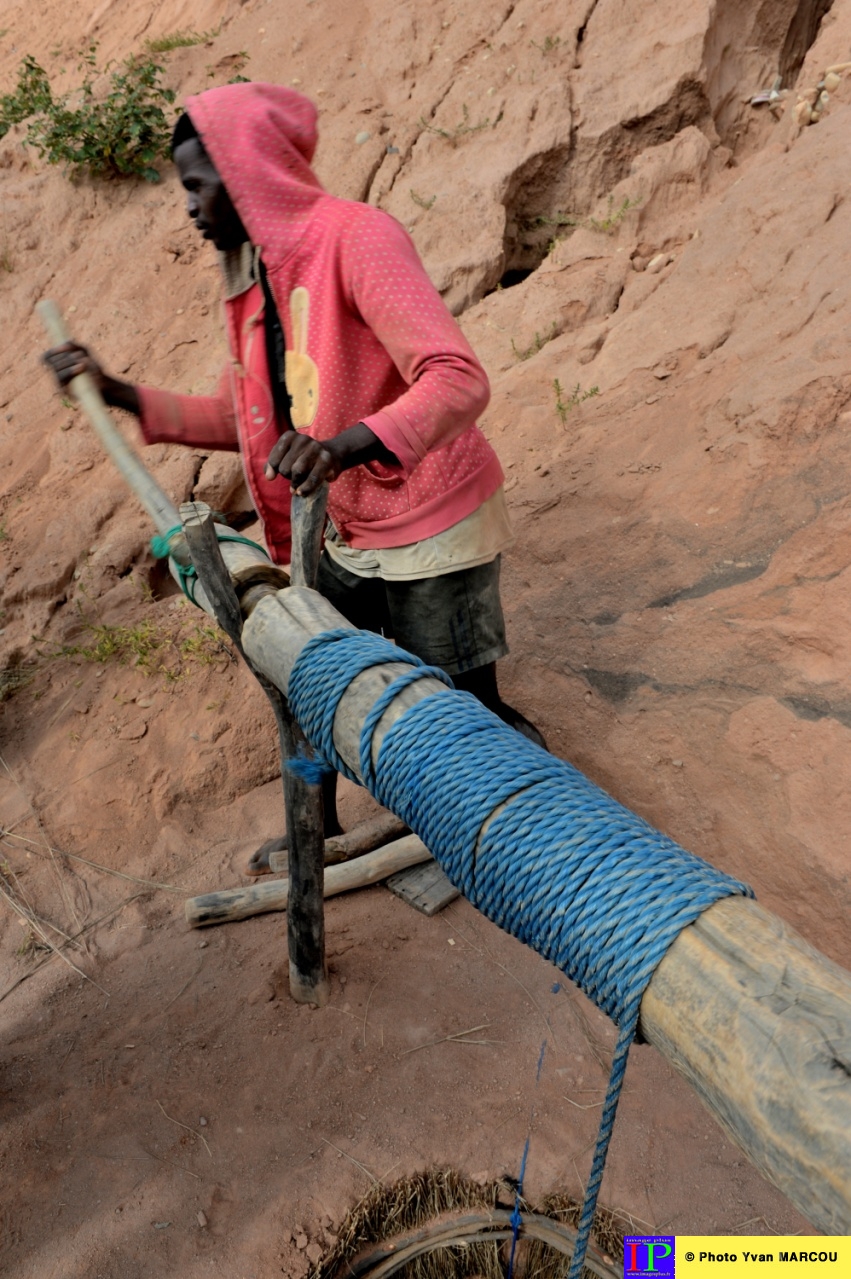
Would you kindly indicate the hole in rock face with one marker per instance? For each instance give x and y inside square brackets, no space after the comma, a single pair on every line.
[801,37]
[516,275]
[159,581]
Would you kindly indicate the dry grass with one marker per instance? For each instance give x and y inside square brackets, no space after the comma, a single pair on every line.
[415,1203]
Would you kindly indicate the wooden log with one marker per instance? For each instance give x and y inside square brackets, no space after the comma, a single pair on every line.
[753,1017]
[362,838]
[759,1023]
[272,894]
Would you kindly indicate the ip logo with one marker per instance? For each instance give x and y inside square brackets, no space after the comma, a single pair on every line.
[648,1257]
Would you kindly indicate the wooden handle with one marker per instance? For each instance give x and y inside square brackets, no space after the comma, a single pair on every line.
[242,903]
[308,523]
[159,507]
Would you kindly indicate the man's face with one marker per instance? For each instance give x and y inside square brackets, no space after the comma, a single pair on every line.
[207,201]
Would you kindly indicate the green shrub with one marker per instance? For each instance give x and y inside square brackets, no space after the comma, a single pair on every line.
[121,134]
[31,95]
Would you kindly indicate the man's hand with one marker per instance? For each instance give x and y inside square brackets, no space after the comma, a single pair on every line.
[305,462]
[70,359]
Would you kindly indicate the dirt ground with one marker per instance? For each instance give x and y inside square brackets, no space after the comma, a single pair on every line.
[655,274]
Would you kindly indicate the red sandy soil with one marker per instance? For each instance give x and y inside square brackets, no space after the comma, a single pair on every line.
[676,601]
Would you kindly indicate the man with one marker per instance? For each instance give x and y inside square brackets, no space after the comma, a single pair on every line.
[346,367]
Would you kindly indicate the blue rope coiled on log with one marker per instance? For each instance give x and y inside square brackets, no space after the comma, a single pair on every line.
[562,866]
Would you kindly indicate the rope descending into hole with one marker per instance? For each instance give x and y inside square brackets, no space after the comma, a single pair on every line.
[531,842]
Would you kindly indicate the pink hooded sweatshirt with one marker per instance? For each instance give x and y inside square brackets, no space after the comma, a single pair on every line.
[368,339]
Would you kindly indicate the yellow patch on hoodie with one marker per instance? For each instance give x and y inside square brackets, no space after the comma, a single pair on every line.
[301,373]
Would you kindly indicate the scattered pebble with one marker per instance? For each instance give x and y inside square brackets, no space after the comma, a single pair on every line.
[362,137]
[202,1122]
[677,763]
[133,732]
[161,1225]
[451,941]
[202,1219]
[654,266]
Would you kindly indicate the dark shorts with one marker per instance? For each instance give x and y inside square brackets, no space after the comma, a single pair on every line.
[453,621]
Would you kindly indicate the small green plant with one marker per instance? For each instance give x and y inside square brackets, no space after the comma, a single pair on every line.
[539,342]
[183,39]
[421,202]
[143,643]
[31,95]
[3,534]
[614,216]
[461,129]
[550,44]
[577,397]
[150,646]
[120,135]
[204,645]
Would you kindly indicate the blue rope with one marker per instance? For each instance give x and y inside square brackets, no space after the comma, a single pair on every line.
[186,573]
[562,866]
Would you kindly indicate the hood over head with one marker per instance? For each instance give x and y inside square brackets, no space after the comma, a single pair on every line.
[261,138]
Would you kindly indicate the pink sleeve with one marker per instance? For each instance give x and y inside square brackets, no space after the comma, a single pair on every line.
[448,387]
[202,421]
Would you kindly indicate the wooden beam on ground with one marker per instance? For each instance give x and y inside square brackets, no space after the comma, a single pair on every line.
[273,894]
[363,838]
[756,1020]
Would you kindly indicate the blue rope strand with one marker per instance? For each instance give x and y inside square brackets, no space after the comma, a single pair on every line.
[561,866]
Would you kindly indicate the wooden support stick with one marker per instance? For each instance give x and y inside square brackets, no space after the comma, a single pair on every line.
[754,1018]
[241,903]
[362,838]
[306,919]
[200,532]
[307,516]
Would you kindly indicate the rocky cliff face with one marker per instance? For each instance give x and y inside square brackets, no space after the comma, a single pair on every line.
[597,198]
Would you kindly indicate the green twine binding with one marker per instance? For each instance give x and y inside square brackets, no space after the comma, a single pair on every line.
[186,573]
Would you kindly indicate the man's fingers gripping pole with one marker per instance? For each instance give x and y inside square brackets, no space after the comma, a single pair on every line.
[159,507]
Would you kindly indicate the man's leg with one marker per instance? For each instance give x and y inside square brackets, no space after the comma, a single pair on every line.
[481,682]
[362,602]
[455,621]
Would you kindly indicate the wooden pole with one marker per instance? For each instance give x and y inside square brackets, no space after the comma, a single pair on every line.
[756,1020]
[273,894]
[306,918]
[305,810]
[363,838]
[159,507]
